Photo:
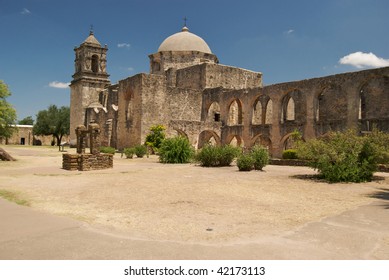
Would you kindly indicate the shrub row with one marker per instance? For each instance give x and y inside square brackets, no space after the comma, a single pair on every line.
[140,151]
[257,159]
[212,156]
[346,157]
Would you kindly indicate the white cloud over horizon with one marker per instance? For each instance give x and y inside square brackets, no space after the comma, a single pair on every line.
[25,11]
[124,45]
[364,60]
[56,84]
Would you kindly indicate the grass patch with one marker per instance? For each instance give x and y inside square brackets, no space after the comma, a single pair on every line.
[13,197]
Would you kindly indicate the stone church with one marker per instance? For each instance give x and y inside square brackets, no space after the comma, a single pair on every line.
[192,95]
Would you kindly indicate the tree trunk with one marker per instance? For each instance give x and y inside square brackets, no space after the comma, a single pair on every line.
[5,156]
[58,141]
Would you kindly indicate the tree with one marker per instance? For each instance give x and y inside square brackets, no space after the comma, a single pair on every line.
[27,121]
[53,121]
[7,112]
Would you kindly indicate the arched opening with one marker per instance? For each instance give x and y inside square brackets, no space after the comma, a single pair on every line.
[290,110]
[269,112]
[263,141]
[235,113]
[289,141]
[95,63]
[257,112]
[319,105]
[362,106]
[208,137]
[236,141]
[214,112]
[181,133]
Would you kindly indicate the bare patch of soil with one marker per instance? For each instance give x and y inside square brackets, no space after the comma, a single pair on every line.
[187,203]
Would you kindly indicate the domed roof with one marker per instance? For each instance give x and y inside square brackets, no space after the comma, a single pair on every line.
[91,40]
[184,41]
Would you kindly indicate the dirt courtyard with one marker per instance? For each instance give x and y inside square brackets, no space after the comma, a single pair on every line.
[146,200]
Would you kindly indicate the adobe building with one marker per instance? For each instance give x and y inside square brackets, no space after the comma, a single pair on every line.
[23,135]
[190,93]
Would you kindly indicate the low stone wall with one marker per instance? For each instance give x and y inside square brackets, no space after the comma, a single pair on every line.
[86,162]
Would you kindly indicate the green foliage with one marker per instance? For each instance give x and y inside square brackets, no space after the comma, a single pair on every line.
[140,151]
[7,112]
[289,154]
[53,121]
[345,157]
[245,162]
[155,137]
[212,156]
[175,150]
[129,152]
[261,157]
[208,156]
[107,150]
[27,121]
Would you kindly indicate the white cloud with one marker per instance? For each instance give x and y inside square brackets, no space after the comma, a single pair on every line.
[130,69]
[290,31]
[57,84]
[364,60]
[25,11]
[124,45]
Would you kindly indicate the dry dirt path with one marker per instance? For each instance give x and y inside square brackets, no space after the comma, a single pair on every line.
[141,209]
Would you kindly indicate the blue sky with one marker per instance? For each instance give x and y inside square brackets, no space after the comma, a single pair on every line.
[285,40]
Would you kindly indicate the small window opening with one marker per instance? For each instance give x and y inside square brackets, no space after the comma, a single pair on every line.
[217,117]
[95,64]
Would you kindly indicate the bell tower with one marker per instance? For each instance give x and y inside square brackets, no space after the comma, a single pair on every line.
[89,79]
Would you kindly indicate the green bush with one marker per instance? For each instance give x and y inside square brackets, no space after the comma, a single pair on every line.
[155,137]
[344,157]
[175,150]
[208,156]
[129,152]
[213,156]
[289,154]
[245,162]
[227,154]
[107,150]
[260,155]
[140,151]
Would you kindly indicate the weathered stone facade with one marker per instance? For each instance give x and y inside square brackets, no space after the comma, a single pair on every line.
[23,135]
[194,96]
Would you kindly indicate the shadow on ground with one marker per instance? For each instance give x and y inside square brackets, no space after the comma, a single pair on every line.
[382,194]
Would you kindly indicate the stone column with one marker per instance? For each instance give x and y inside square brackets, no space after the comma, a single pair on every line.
[81,139]
[94,134]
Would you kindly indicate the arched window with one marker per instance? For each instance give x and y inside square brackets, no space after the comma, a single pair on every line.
[214,112]
[235,113]
[269,112]
[236,141]
[290,110]
[257,113]
[95,63]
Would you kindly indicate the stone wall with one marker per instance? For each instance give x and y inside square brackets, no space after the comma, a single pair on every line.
[86,162]
[162,61]
[351,100]
[208,75]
